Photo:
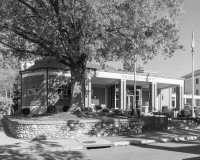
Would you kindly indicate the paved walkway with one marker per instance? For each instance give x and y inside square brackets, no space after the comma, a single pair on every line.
[147,137]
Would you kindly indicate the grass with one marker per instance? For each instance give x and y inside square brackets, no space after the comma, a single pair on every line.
[68,116]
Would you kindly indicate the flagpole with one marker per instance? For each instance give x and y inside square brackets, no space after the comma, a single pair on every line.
[193,44]
[193,84]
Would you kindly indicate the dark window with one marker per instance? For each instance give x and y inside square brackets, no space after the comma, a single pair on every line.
[197,92]
[64,91]
[197,81]
[33,91]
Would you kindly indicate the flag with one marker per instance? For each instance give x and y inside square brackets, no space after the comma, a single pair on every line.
[193,43]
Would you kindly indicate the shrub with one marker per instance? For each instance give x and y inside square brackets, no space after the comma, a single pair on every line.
[187,106]
[164,108]
[105,110]
[184,113]
[118,112]
[197,113]
[26,111]
[88,109]
[51,109]
[66,108]
[97,107]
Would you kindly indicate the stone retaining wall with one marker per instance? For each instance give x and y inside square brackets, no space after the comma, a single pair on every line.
[23,129]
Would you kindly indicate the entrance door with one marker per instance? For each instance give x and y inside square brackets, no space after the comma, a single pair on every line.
[129,102]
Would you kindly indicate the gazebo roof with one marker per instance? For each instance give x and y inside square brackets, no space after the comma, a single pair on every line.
[47,63]
[52,63]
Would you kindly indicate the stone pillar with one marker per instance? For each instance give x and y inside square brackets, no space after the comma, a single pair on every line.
[122,94]
[179,97]
[153,96]
[88,92]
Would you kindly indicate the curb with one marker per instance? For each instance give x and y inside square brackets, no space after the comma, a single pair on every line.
[161,140]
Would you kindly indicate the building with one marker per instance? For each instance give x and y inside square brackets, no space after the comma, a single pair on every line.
[188,88]
[47,83]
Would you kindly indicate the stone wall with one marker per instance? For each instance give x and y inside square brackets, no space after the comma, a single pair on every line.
[150,123]
[27,129]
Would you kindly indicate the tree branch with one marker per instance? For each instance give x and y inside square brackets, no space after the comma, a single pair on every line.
[22,50]
[31,8]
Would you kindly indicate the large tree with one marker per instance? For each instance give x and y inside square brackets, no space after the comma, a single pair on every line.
[78,31]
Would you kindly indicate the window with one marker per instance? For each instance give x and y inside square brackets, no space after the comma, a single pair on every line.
[197,81]
[197,92]
[174,90]
[64,91]
[33,91]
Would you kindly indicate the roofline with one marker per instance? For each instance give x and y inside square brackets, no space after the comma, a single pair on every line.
[191,76]
[160,76]
[96,69]
[46,68]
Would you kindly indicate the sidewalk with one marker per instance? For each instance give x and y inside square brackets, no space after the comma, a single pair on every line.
[156,136]
[147,137]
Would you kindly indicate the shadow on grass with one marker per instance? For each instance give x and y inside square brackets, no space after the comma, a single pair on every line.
[34,150]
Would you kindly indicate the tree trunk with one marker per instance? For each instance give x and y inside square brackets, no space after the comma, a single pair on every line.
[77,83]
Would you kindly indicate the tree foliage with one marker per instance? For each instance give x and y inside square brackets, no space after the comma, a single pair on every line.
[78,31]
[9,79]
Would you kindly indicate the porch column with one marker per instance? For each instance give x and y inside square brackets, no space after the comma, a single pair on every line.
[170,98]
[153,96]
[106,96]
[88,92]
[185,100]
[159,100]
[122,94]
[179,97]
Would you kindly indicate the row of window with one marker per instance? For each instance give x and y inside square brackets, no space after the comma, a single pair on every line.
[64,91]
[197,91]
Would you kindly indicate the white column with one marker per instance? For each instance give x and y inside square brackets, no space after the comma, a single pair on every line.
[179,97]
[153,96]
[122,94]
[170,97]
[106,97]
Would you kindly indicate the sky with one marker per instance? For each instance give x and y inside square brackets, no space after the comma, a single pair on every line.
[181,62]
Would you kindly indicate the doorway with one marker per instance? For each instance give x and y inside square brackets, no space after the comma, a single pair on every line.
[129,102]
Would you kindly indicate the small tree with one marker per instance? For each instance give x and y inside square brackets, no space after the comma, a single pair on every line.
[8,78]
[78,31]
